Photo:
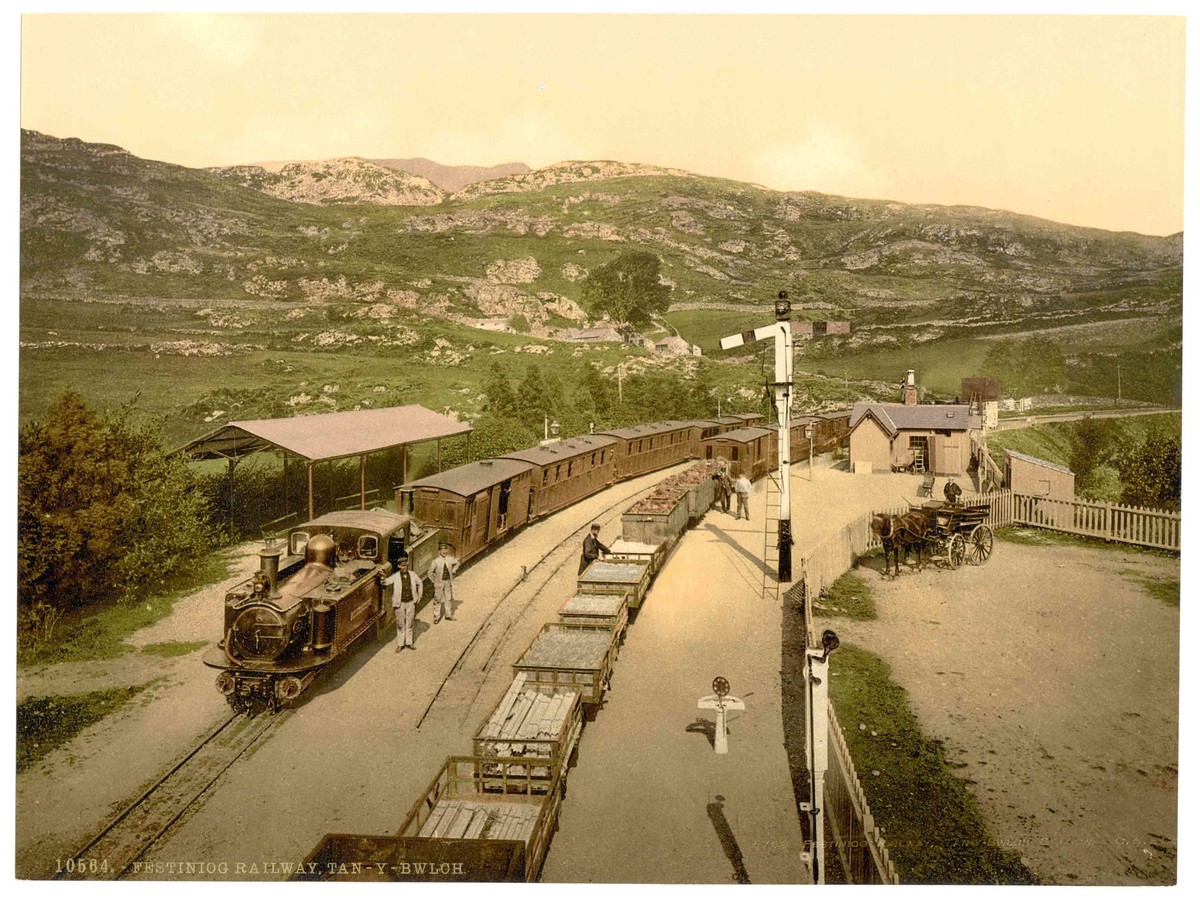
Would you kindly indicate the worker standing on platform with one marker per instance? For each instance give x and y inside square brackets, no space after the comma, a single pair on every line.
[441,575]
[742,488]
[592,547]
[726,488]
[406,592]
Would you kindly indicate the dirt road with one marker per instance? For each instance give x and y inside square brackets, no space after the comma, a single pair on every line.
[1052,676]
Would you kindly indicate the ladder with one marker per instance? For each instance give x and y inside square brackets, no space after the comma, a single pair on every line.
[770,580]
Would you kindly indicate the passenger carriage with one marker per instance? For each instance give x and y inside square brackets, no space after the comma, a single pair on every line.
[566,471]
[750,450]
[474,505]
[652,446]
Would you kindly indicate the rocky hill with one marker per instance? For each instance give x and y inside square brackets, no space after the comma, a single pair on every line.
[366,241]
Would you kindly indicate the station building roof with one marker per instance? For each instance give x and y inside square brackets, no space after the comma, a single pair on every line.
[896,417]
[325,437]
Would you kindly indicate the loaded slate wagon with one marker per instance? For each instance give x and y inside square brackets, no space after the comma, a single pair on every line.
[653,554]
[533,722]
[608,608]
[570,656]
[616,573]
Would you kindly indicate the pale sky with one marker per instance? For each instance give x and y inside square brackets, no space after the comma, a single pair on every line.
[1076,119]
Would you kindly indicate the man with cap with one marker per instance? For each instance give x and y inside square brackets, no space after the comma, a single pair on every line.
[406,592]
[592,547]
[441,575]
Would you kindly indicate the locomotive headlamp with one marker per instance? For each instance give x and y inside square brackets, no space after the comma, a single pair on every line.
[226,683]
[554,428]
[783,307]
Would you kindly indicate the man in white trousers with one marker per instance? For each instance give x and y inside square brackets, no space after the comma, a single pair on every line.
[441,575]
[406,593]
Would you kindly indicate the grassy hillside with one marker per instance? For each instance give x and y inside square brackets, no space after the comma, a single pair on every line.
[209,295]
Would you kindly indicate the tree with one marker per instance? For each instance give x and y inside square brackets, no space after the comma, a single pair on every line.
[1092,441]
[628,289]
[1152,473]
[497,393]
[102,513]
[536,396]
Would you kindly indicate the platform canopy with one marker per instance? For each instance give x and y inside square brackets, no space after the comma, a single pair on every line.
[327,437]
[317,438]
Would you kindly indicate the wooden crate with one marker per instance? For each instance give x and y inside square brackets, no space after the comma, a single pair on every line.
[655,555]
[570,656]
[489,799]
[608,607]
[617,573]
[512,730]
[659,527]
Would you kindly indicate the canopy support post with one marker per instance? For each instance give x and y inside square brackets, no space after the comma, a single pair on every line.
[439,449]
[403,465]
[310,490]
[362,482]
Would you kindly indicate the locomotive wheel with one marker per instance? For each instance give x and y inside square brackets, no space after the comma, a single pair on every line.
[979,544]
[956,551]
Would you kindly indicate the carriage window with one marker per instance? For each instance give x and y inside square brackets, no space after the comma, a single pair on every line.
[639,446]
[570,467]
[733,452]
[557,472]
[593,459]
[368,547]
[601,457]
[545,477]
[299,542]
[629,451]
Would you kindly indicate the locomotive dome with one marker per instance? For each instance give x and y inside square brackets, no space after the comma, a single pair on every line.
[321,550]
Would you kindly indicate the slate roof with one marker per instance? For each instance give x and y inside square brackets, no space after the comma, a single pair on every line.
[1032,460]
[896,417]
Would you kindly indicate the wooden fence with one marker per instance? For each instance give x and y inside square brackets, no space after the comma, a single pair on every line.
[1102,520]
[852,832]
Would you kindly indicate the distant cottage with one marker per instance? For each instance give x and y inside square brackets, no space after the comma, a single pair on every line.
[676,345]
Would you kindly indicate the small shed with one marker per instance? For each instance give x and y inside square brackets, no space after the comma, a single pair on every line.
[1026,475]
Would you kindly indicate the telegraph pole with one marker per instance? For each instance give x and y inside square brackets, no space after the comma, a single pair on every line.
[781,332]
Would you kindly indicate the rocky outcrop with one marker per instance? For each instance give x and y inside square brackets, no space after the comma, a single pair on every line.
[348,180]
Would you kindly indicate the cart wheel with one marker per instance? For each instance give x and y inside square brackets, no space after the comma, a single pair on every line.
[956,551]
[979,544]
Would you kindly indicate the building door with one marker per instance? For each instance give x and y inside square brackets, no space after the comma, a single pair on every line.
[918,447]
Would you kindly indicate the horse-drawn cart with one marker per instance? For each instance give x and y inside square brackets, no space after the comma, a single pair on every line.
[950,534]
[961,533]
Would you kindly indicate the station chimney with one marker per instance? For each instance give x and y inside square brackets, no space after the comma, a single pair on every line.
[910,388]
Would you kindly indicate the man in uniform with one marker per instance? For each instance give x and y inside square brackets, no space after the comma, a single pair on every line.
[406,592]
[441,575]
[592,547]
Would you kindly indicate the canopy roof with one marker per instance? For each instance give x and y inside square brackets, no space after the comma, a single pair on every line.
[324,437]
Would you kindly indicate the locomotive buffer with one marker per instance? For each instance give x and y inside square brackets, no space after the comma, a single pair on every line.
[781,332]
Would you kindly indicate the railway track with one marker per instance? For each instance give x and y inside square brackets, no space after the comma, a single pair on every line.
[505,624]
[115,850]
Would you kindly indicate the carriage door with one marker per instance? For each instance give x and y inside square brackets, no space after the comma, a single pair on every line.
[502,506]
[479,534]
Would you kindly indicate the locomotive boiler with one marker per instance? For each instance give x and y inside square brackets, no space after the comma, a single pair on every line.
[310,601]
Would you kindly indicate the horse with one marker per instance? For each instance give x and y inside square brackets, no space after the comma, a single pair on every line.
[884,526]
[899,533]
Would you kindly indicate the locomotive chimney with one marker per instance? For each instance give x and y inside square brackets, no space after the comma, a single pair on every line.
[404,500]
[268,560]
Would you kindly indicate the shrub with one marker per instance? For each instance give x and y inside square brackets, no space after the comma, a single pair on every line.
[102,514]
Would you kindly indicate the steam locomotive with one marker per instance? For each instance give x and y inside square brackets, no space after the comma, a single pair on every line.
[310,601]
